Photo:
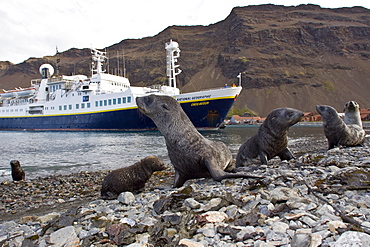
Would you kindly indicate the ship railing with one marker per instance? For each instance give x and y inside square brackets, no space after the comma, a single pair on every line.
[35,82]
[14,102]
[55,79]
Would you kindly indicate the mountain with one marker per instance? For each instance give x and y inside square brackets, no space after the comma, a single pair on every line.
[288,56]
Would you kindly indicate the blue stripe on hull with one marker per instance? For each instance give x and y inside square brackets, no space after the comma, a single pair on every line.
[203,114]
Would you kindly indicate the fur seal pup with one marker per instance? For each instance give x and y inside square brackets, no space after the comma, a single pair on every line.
[337,131]
[191,154]
[131,178]
[352,113]
[17,171]
[271,139]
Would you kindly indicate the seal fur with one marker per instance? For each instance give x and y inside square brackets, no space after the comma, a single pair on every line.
[191,154]
[352,113]
[337,131]
[271,139]
[131,178]
[18,173]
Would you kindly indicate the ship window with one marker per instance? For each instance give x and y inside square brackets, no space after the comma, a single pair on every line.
[77,106]
[88,105]
[114,101]
[128,99]
[105,102]
[124,100]
[65,107]
[109,102]
[60,108]
[70,107]
[82,105]
[101,103]
[96,103]
[119,101]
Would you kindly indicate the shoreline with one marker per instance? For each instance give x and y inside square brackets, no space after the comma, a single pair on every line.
[245,212]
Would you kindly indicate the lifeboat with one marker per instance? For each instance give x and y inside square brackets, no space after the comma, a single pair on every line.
[18,93]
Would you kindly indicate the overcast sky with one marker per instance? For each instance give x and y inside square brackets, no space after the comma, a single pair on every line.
[34,28]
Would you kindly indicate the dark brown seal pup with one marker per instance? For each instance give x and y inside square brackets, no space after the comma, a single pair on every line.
[192,155]
[17,172]
[337,131]
[131,178]
[271,139]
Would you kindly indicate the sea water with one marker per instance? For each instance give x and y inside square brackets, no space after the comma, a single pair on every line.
[43,153]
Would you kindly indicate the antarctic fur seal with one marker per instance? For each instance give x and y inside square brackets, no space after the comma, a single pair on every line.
[271,139]
[131,178]
[191,154]
[337,131]
[17,171]
[352,113]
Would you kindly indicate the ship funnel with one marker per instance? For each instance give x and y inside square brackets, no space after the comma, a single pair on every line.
[46,71]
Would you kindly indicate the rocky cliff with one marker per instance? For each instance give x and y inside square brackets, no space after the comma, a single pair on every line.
[288,56]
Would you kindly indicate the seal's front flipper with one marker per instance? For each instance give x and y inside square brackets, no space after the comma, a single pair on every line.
[286,154]
[263,158]
[218,174]
[179,180]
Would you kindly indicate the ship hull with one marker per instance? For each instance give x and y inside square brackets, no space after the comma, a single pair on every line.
[205,114]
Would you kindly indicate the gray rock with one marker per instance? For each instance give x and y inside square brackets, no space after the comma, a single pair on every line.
[191,203]
[126,198]
[352,238]
[282,194]
[66,235]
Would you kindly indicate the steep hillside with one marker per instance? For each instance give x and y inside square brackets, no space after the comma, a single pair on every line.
[288,56]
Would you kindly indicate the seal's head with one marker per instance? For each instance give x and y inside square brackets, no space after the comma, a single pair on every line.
[352,113]
[283,118]
[17,171]
[154,163]
[329,115]
[165,111]
[351,106]
[15,164]
[152,105]
[326,111]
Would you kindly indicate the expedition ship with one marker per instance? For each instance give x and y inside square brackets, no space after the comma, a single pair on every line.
[105,101]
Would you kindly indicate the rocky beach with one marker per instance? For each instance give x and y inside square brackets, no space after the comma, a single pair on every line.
[321,198]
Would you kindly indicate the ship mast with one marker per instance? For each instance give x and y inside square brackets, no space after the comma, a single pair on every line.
[58,61]
[173,52]
[98,57]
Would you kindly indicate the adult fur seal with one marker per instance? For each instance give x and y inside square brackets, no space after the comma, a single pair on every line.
[271,139]
[352,113]
[192,155]
[131,178]
[337,131]
[17,171]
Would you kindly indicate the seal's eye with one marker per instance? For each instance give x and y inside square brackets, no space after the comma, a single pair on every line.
[148,100]
[165,106]
[289,114]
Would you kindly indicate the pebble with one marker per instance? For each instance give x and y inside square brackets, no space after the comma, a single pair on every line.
[279,210]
